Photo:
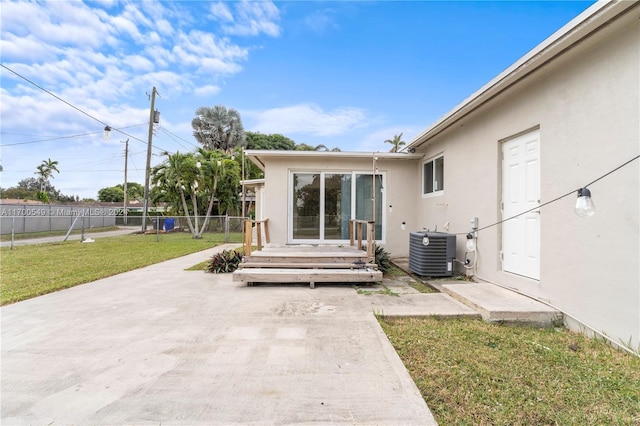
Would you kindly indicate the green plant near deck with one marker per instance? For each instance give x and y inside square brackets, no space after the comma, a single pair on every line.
[382,258]
[224,262]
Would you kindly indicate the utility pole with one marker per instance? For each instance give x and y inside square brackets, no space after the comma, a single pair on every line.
[145,207]
[126,157]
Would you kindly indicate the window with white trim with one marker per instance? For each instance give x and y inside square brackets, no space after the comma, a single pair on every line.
[433,176]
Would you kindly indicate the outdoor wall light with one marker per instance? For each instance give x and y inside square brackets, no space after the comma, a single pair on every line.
[471,243]
[107,133]
[584,204]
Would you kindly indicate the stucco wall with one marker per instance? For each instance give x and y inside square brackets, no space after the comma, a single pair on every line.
[586,104]
[402,182]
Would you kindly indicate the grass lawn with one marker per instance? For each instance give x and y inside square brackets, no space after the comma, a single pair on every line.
[474,373]
[32,270]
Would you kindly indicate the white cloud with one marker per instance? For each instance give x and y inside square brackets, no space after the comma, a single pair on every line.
[208,53]
[208,90]
[320,21]
[164,27]
[254,18]
[103,57]
[220,11]
[25,49]
[139,63]
[308,119]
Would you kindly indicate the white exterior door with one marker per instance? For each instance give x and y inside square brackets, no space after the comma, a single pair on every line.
[521,192]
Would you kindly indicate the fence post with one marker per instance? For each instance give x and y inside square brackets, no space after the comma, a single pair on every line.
[226,229]
[13,223]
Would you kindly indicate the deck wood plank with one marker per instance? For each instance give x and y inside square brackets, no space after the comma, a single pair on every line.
[269,275]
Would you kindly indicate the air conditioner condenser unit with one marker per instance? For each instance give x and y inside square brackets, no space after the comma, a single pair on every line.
[431,254]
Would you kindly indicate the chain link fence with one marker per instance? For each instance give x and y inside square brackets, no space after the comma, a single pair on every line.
[28,221]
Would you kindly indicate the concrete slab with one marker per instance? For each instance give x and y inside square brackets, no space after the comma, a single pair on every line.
[419,305]
[161,345]
[499,304]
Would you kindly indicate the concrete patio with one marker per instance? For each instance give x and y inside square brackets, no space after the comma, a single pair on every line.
[161,345]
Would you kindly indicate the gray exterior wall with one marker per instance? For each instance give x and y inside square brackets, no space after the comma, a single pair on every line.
[586,104]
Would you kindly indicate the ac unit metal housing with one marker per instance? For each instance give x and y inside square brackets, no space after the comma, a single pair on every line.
[431,254]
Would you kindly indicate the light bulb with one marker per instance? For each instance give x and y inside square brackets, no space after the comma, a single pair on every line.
[584,204]
[107,133]
[471,243]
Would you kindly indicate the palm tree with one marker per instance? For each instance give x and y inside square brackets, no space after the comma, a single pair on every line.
[218,128]
[45,172]
[397,142]
[197,177]
[177,175]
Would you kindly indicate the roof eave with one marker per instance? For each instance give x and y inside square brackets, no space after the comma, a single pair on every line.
[258,156]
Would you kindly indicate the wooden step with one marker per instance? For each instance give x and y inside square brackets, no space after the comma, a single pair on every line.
[305,259]
[311,265]
[312,276]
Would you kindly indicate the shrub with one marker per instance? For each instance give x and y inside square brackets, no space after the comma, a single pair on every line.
[383,260]
[224,262]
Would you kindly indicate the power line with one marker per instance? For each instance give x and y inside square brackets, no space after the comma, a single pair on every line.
[71,105]
[64,137]
[174,137]
[574,191]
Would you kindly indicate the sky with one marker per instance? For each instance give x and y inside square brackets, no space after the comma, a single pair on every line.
[347,75]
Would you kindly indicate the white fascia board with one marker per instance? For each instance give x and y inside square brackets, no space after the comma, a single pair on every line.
[257,155]
[589,21]
[252,182]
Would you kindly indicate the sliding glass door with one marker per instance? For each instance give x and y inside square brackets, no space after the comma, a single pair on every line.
[306,206]
[322,203]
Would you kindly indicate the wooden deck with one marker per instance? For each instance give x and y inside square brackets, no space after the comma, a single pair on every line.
[308,264]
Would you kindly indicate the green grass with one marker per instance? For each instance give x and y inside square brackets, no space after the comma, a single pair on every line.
[384,290]
[202,266]
[394,272]
[474,373]
[33,270]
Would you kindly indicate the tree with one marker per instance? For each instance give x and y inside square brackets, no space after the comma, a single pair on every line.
[218,128]
[273,141]
[29,184]
[135,191]
[45,172]
[397,142]
[111,194]
[196,179]
[320,147]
